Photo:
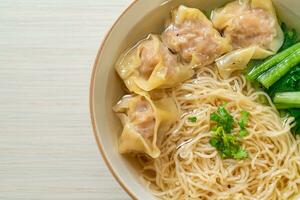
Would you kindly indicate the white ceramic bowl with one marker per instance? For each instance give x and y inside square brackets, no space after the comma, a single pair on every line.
[138,20]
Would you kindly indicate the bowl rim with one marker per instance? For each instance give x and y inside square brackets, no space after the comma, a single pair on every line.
[91,103]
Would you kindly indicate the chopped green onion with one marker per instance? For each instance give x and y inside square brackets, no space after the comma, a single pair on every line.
[243,133]
[192,119]
[244,119]
[224,118]
[227,144]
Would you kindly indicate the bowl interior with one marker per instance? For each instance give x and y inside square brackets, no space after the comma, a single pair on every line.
[142,18]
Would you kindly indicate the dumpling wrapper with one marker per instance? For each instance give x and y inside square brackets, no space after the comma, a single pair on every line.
[266,39]
[236,60]
[150,65]
[192,35]
[131,140]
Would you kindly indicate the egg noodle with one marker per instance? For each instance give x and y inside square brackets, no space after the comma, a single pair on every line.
[190,168]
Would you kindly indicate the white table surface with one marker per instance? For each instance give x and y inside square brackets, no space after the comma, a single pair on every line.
[47,149]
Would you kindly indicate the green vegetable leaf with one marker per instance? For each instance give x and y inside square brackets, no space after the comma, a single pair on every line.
[290,82]
[192,119]
[290,37]
[295,112]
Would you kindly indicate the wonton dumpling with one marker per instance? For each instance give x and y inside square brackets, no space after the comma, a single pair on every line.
[143,119]
[252,27]
[150,65]
[193,36]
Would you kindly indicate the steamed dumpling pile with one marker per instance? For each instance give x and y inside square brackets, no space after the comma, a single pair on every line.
[145,114]
[149,66]
[193,36]
[253,30]
[190,41]
[154,65]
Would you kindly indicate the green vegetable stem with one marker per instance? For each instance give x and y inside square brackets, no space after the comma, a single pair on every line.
[287,100]
[269,63]
[289,83]
[278,71]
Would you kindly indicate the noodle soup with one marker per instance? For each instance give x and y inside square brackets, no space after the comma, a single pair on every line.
[193,124]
